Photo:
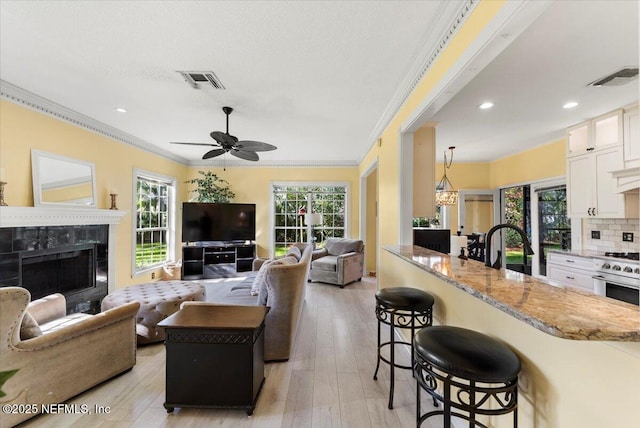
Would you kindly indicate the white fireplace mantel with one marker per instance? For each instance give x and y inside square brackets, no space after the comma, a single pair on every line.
[45,216]
[39,216]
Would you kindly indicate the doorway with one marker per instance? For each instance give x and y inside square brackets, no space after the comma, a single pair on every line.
[369,217]
[549,213]
[478,211]
[517,211]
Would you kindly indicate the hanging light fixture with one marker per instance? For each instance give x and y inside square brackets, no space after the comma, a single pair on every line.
[445,195]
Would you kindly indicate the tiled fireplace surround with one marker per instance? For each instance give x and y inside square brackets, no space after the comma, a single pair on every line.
[59,250]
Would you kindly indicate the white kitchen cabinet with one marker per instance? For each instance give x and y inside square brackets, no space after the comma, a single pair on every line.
[631,137]
[591,186]
[599,133]
[572,271]
[578,139]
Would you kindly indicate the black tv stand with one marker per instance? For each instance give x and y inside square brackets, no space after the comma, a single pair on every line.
[236,256]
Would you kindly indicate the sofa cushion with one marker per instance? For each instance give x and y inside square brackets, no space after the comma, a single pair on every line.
[29,327]
[326,263]
[63,322]
[338,246]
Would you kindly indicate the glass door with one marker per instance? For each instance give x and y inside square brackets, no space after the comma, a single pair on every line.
[517,211]
[554,227]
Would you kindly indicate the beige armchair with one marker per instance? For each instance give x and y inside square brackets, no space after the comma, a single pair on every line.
[340,262]
[59,356]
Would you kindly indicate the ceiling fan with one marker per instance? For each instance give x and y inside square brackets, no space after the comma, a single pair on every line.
[228,143]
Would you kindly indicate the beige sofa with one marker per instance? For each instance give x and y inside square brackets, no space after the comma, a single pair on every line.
[72,353]
[340,262]
[284,293]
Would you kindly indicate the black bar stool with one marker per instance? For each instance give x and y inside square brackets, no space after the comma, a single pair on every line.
[482,372]
[403,307]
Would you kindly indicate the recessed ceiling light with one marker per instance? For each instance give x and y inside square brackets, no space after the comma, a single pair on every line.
[570,104]
[485,106]
[121,110]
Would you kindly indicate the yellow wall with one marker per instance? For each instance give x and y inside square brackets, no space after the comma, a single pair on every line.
[22,129]
[464,175]
[541,162]
[387,152]
[253,185]
[424,143]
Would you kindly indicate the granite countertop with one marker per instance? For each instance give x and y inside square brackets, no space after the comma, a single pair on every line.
[563,312]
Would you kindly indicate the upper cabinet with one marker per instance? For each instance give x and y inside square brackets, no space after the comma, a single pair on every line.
[590,185]
[599,133]
[594,150]
[631,121]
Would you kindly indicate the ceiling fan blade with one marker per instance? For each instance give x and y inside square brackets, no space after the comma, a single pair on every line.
[195,144]
[250,156]
[255,146]
[223,138]
[213,153]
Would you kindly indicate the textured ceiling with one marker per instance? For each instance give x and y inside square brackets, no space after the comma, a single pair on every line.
[316,79]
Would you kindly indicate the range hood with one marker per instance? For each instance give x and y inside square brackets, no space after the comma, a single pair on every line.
[627,180]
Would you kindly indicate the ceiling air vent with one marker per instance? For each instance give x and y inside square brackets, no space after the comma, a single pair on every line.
[620,77]
[197,78]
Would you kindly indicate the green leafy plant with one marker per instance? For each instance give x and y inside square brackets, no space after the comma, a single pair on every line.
[211,188]
[4,376]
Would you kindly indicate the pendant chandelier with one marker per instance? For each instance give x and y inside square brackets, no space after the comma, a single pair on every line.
[445,195]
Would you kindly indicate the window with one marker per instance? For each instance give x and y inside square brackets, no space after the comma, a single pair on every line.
[154,229]
[292,202]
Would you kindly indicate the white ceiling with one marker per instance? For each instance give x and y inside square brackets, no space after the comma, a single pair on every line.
[315,79]
[570,45]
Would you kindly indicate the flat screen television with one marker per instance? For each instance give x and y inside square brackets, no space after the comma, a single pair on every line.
[218,222]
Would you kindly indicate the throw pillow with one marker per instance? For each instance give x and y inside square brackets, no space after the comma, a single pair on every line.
[295,252]
[29,327]
[263,293]
[258,281]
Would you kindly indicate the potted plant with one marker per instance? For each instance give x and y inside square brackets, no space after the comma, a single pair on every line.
[211,188]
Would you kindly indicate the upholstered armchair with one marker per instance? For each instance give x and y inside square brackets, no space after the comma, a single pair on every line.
[57,356]
[340,262]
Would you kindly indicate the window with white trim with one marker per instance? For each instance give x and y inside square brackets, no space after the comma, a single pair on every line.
[292,203]
[154,229]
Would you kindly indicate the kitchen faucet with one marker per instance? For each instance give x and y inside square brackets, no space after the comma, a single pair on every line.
[498,262]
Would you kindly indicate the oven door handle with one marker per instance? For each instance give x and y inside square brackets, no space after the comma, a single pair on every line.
[600,277]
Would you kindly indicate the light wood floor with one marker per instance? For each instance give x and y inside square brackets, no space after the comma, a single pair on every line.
[326,383]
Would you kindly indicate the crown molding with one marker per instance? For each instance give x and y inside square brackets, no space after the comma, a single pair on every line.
[24,98]
[47,216]
[446,22]
[275,164]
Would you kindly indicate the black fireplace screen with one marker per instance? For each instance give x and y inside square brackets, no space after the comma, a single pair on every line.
[60,270]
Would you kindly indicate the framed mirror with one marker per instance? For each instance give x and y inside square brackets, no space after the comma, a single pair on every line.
[62,181]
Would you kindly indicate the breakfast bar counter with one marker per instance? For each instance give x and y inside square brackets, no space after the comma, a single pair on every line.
[563,312]
[580,353]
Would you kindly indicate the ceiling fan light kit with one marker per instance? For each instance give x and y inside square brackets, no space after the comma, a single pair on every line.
[227,143]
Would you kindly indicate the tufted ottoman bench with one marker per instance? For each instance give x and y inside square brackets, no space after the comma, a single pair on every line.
[157,301]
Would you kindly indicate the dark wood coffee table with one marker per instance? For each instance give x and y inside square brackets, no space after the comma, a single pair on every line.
[215,356]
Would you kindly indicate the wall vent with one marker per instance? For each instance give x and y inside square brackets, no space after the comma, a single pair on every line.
[197,78]
[620,77]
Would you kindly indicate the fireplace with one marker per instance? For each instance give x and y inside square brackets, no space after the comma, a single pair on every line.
[72,260]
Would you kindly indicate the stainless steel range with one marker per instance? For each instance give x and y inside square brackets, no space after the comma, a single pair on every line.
[617,275]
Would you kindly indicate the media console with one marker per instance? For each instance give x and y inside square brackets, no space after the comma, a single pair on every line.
[196,257]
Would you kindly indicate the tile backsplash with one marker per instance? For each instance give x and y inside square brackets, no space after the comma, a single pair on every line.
[611,234]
